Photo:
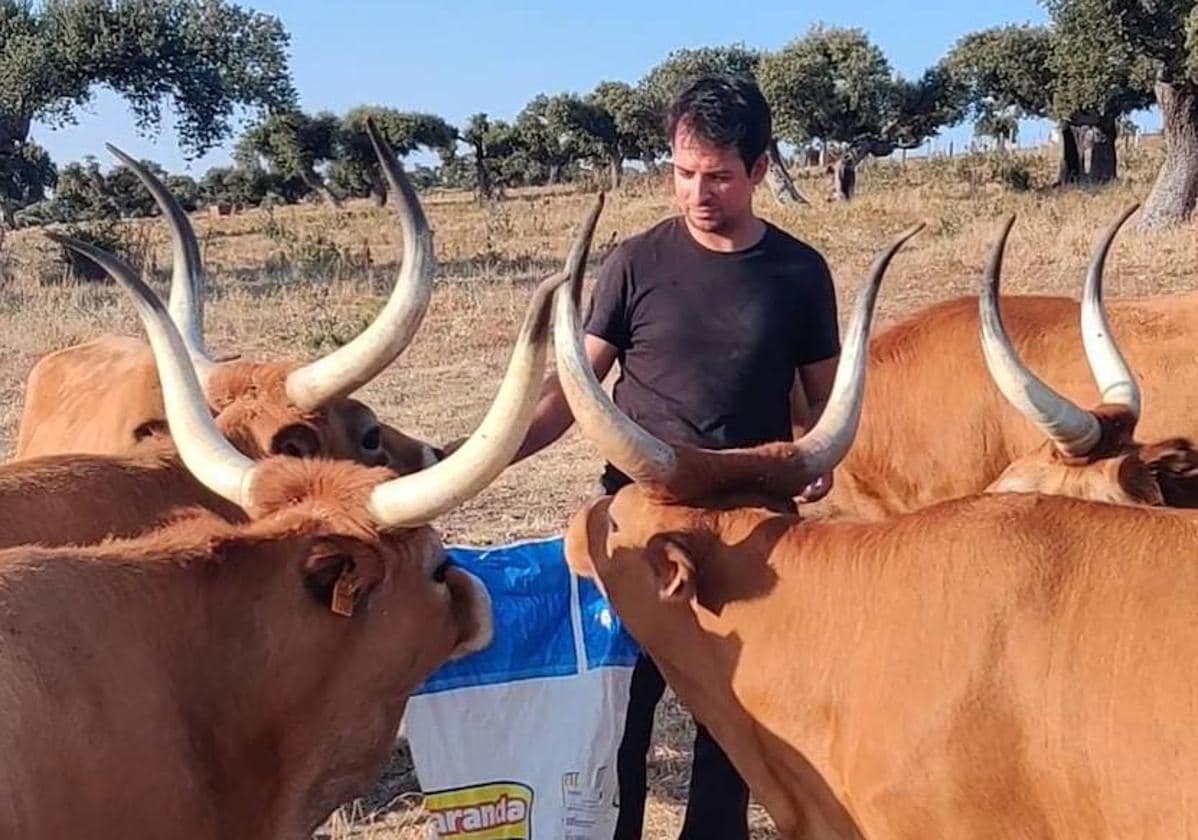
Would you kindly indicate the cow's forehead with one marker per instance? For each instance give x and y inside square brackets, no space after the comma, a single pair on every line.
[240,380]
[331,487]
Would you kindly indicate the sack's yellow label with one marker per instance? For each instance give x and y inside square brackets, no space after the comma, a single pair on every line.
[500,811]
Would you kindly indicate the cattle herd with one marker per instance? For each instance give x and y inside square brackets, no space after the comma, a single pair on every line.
[220,580]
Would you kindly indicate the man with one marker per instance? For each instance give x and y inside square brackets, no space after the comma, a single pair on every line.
[711,314]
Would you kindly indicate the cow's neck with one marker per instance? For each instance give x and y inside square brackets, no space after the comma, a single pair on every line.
[283,722]
[807,627]
[196,644]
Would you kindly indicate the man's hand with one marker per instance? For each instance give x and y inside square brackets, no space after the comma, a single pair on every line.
[816,490]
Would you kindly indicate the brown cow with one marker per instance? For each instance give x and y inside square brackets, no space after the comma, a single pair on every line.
[1089,454]
[934,426]
[103,396]
[64,499]
[1003,665]
[224,681]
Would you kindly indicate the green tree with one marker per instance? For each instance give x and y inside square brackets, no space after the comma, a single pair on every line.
[665,80]
[1005,75]
[542,133]
[82,191]
[1113,54]
[293,144]
[25,173]
[589,130]
[207,58]
[495,146]
[233,186]
[185,189]
[639,131]
[833,85]
[356,168]
[1102,71]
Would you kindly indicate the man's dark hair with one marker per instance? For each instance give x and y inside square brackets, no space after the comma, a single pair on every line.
[724,111]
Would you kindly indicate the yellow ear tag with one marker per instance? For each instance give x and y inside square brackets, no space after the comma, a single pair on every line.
[343,597]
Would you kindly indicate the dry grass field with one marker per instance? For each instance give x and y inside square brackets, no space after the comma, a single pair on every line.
[295,281]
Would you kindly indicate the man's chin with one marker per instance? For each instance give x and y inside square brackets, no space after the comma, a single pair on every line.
[707,224]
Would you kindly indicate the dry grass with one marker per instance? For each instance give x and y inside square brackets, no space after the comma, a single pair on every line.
[295,281]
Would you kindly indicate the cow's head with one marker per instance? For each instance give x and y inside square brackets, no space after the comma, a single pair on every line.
[304,410]
[649,533]
[352,576]
[1089,454]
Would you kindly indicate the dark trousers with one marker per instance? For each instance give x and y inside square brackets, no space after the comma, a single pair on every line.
[718,801]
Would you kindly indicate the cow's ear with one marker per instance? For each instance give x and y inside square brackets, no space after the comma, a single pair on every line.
[340,574]
[675,571]
[1174,465]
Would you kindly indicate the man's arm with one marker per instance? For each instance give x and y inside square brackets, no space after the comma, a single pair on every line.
[809,397]
[553,417]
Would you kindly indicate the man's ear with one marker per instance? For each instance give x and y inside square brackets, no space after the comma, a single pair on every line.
[758,169]
[674,570]
[340,574]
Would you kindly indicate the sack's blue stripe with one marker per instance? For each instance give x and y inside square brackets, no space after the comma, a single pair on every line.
[529,585]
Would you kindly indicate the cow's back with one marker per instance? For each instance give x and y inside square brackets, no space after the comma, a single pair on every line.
[101,397]
[934,426]
[1008,665]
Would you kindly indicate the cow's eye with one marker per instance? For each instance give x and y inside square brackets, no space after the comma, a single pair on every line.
[372,439]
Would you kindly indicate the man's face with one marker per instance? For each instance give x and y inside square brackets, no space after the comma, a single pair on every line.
[711,185]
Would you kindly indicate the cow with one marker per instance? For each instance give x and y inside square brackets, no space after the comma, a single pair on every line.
[934,426]
[219,680]
[102,396]
[994,665]
[56,500]
[1091,454]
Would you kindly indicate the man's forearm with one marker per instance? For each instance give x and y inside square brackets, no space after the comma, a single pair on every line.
[550,421]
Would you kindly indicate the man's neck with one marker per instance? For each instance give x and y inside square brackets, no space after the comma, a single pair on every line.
[744,235]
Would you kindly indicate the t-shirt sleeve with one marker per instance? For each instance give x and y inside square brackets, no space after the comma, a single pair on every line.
[821,337]
[608,313]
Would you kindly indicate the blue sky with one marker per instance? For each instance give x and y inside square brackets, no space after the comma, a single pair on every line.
[458,57]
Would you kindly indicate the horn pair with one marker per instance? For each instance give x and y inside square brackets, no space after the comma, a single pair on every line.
[685,473]
[347,368]
[1073,430]
[406,501]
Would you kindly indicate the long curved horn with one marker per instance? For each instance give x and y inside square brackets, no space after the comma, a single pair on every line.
[825,445]
[350,367]
[187,273]
[213,461]
[635,452]
[420,497]
[1073,431]
[1111,372]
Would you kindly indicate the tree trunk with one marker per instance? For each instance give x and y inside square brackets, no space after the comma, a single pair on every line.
[1070,171]
[14,130]
[315,183]
[844,178]
[823,153]
[616,167]
[778,179]
[1173,195]
[555,173]
[482,176]
[1104,164]
[378,189]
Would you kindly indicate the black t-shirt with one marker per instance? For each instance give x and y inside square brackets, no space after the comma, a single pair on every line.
[708,341]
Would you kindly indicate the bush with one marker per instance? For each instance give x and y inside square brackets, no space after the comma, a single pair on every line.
[132,243]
